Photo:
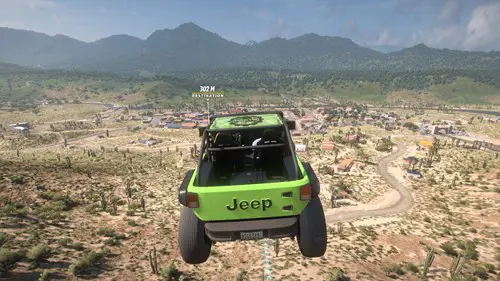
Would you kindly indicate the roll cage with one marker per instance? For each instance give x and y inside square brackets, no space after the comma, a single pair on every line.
[206,145]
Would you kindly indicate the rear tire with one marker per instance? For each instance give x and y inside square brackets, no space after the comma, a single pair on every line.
[312,237]
[194,245]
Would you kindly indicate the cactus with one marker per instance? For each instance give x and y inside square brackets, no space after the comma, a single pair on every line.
[58,157]
[18,153]
[107,133]
[428,262]
[128,190]
[104,203]
[340,228]
[143,204]
[114,206]
[124,154]
[457,264]
[68,161]
[153,260]
[276,246]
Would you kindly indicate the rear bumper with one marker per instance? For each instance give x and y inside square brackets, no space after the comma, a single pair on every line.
[271,228]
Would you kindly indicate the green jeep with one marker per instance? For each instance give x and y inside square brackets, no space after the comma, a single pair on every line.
[249,185]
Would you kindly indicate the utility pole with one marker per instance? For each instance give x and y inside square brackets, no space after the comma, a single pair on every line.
[208,109]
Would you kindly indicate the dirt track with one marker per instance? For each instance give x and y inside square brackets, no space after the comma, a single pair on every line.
[402,204]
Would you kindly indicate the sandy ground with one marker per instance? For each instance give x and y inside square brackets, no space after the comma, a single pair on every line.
[446,209]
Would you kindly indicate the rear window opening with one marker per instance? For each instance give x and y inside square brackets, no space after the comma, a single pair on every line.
[251,156]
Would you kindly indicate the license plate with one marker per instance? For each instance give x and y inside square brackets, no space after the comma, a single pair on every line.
[251,235]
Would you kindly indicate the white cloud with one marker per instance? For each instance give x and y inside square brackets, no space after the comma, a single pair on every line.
[385,39]
[446,37]
[280,27]
[8,23]
[15,5]
[483,29]
[451,11]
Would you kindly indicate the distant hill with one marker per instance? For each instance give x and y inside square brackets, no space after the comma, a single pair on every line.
[190,47]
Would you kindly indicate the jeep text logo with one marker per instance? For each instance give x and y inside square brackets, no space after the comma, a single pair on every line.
[254,204]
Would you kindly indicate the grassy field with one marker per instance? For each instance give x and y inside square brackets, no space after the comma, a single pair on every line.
[28,89]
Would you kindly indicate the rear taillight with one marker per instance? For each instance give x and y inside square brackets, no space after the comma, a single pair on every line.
[192,200]
[306,192]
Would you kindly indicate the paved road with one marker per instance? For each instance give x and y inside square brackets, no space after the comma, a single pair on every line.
[403,204]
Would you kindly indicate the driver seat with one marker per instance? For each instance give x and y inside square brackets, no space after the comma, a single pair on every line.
[271,159]
[223,164]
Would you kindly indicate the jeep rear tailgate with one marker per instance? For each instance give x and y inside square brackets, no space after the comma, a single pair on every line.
[249,201]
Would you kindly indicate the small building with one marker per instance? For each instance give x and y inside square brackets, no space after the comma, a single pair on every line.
[21,129]
[173,126]
[328,146]
[25,125]
[188,125]
[410,159]
[300,147]
[149,142]
[354,137]
[345,165]
[426,143]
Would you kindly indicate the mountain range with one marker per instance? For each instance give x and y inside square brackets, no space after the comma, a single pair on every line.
[190,47]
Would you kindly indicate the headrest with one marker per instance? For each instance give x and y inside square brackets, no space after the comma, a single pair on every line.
[270,135]
[223,139]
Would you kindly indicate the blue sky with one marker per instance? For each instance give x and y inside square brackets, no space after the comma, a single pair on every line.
[455,24]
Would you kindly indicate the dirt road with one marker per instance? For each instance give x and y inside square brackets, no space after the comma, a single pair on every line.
[386,207]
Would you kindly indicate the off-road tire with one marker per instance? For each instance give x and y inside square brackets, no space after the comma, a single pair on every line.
[194,245]
[312,237]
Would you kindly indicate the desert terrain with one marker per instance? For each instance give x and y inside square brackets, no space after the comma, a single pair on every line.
[82,201]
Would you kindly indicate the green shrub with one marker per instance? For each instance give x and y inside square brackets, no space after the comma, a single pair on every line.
[8,260]
[51,211]
[12,209]
[66,202]
[449,248]
[38,254]
[78,246]
[17,179]
[337,274]
[64,241]
[4,237]
[394,268]
[412,268]
[87,261]
[44,276]
[170,272]
[490,267]
[106,231]
[113,241]
[480,272]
